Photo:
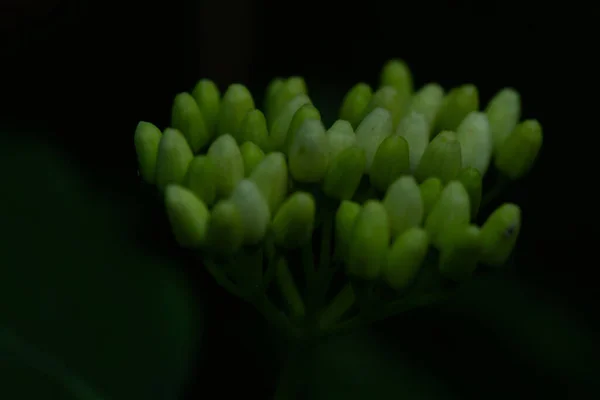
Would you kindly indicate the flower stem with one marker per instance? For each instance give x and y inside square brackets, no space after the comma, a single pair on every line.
[341,303]
[288,289]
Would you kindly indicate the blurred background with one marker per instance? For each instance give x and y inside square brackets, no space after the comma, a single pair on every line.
[77,76]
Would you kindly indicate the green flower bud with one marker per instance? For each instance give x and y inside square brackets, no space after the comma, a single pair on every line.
[237,102]
[428,101]
[225,229]
[309,153]
[345,218]
[254,211]
[404,205]
[293,225]
[355,104]
[368,242]
[307,111]
[147,140]
[450,212]
[187,118]
[173,158]
[344,173]
[252,156]
[281,124]
[229,164]
[499,234]
[459,257]
[271,96]
[188,216]
[254,129]
[503,112]
[340,136]
[471,179]
[389,98]
[396,74]
[291,88]
[431,189]
[271,178]
[208,98]
[405,257]
[475,139]
[200,179]
[456,106]
[415,130]
[376,126]
[519,151]
[390,162]
[441,159]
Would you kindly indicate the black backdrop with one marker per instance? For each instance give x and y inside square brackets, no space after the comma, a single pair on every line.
[82,74]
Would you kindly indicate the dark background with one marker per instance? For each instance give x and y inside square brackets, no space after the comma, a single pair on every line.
[78,76]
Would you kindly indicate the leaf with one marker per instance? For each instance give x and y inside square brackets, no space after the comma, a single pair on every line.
[79,290]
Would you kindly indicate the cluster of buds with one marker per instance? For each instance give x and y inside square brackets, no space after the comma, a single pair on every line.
[359,220]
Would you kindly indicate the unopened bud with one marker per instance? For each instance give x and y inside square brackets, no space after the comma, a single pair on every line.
[404,205]
[225,228]
[369,242]
[290,89]
[374,128]
[475,139]
[503,112]
[252,156]
[344,222]
[147,140]
[254,211]
[294,222]
[173,158]
[431,189]
[229,164]
[254,129]
[456,106]
[441,159]
[450,212]
[415,129]
[201,179]
[271,96]
[309,153]
[344,173]
[519,151]
[340,137]
[355,103]
[237,102]
[405,257]
[471,180]
[188,216]
[395,73]
[271,178]
[208,98]
[307,111]
[390,162]
[390,99]
[499,234]
[188,119]
[281,124]
[427,101]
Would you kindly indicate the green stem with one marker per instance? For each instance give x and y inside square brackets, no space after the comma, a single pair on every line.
[222,279]
[386,311]
[288,289]
[274,316]
[293,371]
[340,304]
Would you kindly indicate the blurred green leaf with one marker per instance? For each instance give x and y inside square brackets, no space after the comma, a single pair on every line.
[79,290]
